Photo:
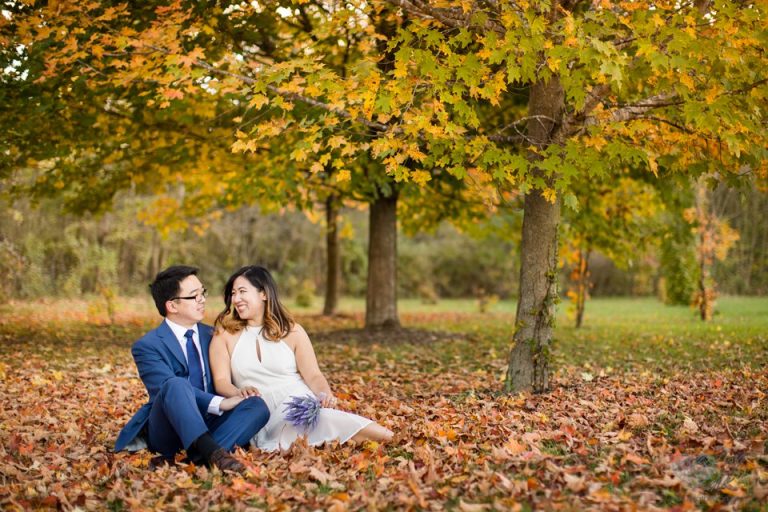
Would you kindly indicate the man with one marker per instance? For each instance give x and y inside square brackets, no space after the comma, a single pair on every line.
[172,360]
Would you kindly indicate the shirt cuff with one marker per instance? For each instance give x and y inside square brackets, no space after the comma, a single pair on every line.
[213,407]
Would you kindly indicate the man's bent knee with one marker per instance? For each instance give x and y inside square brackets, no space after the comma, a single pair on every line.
[257,407]
[253,402]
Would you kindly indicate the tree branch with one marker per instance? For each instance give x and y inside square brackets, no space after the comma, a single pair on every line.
[666,121]
[451,17]
[639,109]
[288,95]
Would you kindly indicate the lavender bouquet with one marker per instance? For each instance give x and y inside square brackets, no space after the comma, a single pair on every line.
[303,411]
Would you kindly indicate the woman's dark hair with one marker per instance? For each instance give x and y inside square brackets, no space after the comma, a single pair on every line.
[167,285]
[278,322]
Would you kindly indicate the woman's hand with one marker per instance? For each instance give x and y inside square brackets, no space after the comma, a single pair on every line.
[328,400]
[248,391]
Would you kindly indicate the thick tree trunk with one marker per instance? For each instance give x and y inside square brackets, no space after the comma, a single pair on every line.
[333,257]
[381,295]
[529,357]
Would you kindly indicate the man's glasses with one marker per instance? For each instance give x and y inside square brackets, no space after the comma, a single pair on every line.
[200,297]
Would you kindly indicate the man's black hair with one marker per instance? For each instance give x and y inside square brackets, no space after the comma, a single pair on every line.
[167,285]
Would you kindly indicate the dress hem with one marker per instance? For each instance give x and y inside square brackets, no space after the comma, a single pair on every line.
[277,447]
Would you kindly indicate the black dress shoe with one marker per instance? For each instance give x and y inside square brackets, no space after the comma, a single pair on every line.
[160,460]
[225,461]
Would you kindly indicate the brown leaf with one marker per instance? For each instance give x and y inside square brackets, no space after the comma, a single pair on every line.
[637,420]
[472,507]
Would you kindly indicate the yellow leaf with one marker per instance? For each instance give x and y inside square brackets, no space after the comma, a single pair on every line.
[258,101]
[401,70]
[711,95]
[420,177]
[416,154]
[336,141]
[312,91]
[343,175]
[653,165]
[299,154]
[686,80]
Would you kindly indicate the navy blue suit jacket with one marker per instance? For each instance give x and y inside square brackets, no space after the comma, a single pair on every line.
[159,357]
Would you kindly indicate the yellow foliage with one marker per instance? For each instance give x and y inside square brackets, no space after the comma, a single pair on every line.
[312,91]
[258,101]
[336,141]
[687,81]
[553,63]
[343,176]
[727,238]
[420,177]
[416,154]
[654,166]
[712,93]
[299,154]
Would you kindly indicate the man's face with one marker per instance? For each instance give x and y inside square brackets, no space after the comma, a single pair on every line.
[187,311]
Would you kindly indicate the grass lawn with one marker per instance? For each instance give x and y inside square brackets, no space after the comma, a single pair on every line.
[650,409]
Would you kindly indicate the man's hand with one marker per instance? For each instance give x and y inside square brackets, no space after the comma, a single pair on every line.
[230,403]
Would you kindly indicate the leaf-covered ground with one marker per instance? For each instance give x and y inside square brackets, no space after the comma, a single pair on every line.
[646,412]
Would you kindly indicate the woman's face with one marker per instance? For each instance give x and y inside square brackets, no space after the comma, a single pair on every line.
[248,300]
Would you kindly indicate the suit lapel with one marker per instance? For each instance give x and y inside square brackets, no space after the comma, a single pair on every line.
[205,334]
[168,339]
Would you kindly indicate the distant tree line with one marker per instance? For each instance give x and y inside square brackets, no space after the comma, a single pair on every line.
[46,253]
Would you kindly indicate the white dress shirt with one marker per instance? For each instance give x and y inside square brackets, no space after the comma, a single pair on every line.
[179,331]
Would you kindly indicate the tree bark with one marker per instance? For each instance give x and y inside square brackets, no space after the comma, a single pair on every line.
[705,251]
[156,256]
[583,285]
[333,256]
[529,357]
[381,294]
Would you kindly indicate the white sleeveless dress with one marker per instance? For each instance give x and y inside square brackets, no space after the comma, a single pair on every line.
[277,378]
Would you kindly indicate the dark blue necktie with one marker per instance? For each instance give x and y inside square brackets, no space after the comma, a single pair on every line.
[193,360]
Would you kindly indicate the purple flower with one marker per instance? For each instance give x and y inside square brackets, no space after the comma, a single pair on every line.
[302,412]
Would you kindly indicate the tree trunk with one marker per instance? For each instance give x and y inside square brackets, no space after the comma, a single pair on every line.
[535,318]
[333,257]
[156,256]
[381,295]
[705,297]
[529,356]
[582,285]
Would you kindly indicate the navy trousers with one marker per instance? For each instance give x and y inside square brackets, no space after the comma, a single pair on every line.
[175,421]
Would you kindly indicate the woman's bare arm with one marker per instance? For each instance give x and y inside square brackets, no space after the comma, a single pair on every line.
[221,372]
[306,361]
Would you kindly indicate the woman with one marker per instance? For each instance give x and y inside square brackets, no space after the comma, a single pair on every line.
[259,350]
